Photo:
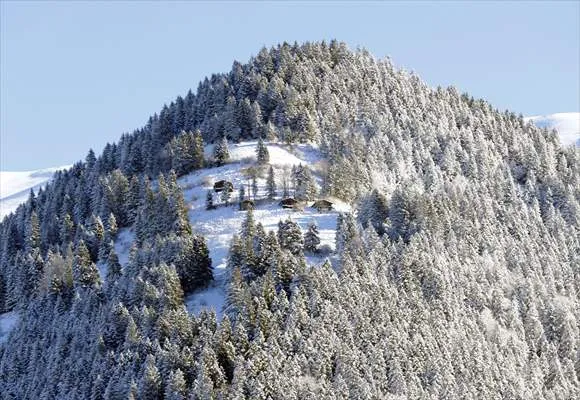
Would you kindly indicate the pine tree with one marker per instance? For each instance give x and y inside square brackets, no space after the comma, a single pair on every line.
[248,229]
[285,188]
[150,384]
[176,388]
[290,237]
[262,154]
[242,193]
[194,264]
[345,231]
[114,270]
[198,150]
[304,185]
[226,195]
[67,229]
[33,232]
[254,186]
[112,227]
[311,238]
[221,153]
[85,272]
[271,183]
[209,200]
[236,254]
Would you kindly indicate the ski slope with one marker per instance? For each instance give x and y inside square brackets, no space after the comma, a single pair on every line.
[15,186]
[219,225]
[567,125]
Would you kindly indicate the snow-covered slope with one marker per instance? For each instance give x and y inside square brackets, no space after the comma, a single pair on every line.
[218,226]
[7,323]
[15,186]
[567,125]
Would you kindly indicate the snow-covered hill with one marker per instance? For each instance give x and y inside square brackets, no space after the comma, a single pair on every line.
[218,226]
[15,186]
[567,125]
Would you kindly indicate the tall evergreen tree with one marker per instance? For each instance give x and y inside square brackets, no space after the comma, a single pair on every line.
[262,153]
[209,200]
[221,153]
[226,195]
[86,274]
[271,183]
[311,238]
[290,236]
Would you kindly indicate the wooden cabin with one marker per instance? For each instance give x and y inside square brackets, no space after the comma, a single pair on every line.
[246,205]
[288,202]
[220,186]
[322,205]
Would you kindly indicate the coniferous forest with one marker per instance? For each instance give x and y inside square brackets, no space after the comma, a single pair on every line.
[457,274]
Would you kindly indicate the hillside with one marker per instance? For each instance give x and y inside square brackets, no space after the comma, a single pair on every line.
[449,267]
[219,225]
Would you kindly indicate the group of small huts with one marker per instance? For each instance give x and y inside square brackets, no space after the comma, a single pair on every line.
[292,203]
[287,203]
[220,186]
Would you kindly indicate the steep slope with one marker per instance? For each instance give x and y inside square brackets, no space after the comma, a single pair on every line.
[567,125]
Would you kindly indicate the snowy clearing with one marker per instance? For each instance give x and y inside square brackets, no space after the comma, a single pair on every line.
[123,243]
[219,225]
[8,322]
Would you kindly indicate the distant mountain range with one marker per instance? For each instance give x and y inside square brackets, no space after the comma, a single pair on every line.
[567,125]
[15,186]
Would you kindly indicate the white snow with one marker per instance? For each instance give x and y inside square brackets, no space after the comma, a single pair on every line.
[15,186]
[218,226]
[567,125]
[7,323]
[123,243]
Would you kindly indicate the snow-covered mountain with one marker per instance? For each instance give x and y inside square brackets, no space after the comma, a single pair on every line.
[15,186]
[567,125]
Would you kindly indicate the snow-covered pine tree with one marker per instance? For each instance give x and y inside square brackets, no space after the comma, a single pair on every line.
[226,195]
[86,274]
[311,238]
[290,237]
[221,152]
[304,184]
[254,186]
[262,153]
[271,183]
[209,200]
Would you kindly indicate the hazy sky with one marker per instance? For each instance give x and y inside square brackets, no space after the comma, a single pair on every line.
[75,75]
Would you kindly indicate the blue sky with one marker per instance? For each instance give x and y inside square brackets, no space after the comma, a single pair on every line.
[75,75]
